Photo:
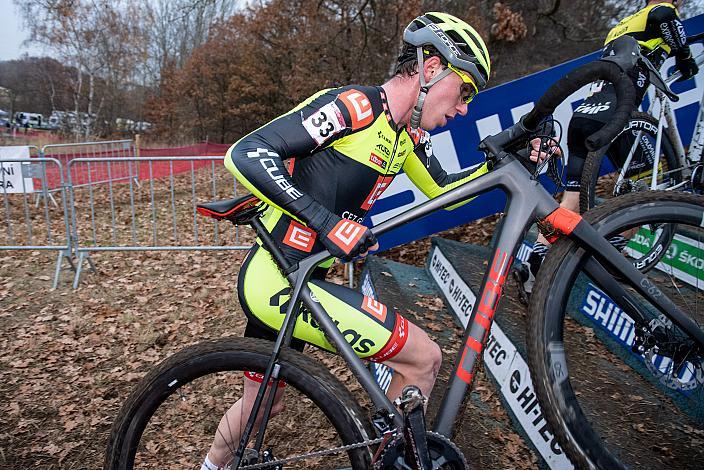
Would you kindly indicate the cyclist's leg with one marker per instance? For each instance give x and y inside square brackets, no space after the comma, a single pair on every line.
[375,332]
[234,420]
[418,363]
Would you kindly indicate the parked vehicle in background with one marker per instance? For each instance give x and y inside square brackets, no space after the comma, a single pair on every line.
[31,120]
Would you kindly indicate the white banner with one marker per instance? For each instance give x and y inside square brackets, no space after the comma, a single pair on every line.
[511,372]
[458,294]
[11,176]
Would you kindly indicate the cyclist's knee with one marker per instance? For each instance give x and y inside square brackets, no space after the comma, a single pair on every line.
[420,358]
[434,358]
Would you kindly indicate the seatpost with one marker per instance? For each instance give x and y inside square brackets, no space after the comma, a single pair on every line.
[270,245]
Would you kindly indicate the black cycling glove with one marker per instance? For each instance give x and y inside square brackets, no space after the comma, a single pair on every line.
[343,238]
[687,66]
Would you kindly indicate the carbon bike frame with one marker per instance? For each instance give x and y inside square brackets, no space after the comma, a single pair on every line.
[527,201]
[684,159]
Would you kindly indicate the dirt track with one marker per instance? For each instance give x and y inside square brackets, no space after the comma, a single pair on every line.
[71,357]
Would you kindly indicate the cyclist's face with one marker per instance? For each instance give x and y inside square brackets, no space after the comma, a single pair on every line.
[446,99]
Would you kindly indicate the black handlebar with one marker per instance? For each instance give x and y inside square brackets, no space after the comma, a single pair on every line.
[576,79]
[695,38]
[558,92]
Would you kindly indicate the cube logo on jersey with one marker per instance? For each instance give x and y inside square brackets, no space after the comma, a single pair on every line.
[382,182]
[300,237]
[359,107]
[374,308]
[377,160]
[346,234]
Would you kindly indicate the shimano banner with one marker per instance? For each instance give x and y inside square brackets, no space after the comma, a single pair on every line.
[493,110]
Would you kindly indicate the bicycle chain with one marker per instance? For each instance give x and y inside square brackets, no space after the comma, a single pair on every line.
[314,454]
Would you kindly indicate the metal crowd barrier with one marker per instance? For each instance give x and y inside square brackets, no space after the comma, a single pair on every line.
[34,226]
[158,214]
[120,150]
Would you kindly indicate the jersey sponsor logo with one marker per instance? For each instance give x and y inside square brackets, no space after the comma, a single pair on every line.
[359,341]
[359,107]
[300,237]
[680,32]
[261,153]
[324,123]
[377,160]
[374,308]
[276,174]
[666,33]
[383,149]
[346,234]
[396,342]
[382,182]
[383,137]
[352,216]
[587,108]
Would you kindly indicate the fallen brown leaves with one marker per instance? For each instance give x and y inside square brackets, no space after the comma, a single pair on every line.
[71,357]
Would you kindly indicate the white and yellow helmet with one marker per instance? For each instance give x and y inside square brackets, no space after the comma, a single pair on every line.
[457,42]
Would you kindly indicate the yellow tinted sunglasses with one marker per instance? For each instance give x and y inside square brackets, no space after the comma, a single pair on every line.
[468,89]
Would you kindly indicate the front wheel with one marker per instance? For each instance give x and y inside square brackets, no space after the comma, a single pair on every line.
[170,419]
[619,394]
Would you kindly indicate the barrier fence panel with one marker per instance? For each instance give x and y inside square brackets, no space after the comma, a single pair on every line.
[39,224]
[120,150]
[158,214]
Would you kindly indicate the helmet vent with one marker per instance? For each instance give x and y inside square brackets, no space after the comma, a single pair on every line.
[460,41]
[434,19]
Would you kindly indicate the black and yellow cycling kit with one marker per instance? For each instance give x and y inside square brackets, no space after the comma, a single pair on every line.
[660,33]
[344,149]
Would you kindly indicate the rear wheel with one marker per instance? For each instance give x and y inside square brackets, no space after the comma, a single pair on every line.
[618,394]
[601,180]
[173,414]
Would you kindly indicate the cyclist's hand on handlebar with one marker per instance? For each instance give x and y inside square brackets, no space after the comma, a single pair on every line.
[687,66]
[346,239]
[538,154]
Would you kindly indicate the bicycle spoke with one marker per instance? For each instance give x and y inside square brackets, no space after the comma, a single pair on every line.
[184,427]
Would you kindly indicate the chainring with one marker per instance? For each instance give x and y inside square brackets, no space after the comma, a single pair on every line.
[444,454]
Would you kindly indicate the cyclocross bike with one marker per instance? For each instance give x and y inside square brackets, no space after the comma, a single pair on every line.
[663,163]
[605,401]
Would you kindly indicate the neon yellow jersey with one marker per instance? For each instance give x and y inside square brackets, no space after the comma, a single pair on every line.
[344,149]
[657,28]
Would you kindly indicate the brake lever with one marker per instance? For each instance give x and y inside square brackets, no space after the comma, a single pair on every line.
[657,81]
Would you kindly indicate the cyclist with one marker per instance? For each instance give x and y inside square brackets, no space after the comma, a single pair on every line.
[660,33]
[345,146]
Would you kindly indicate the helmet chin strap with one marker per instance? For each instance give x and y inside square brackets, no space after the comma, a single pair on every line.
[424,87]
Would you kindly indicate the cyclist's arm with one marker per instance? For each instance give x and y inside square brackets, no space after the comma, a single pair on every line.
[257,159]
[425,172]
[666,23]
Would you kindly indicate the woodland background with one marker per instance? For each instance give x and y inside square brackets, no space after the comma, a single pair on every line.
[215,69]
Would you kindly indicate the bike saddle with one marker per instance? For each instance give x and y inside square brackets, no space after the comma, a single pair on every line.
[625,52]
[237,210]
